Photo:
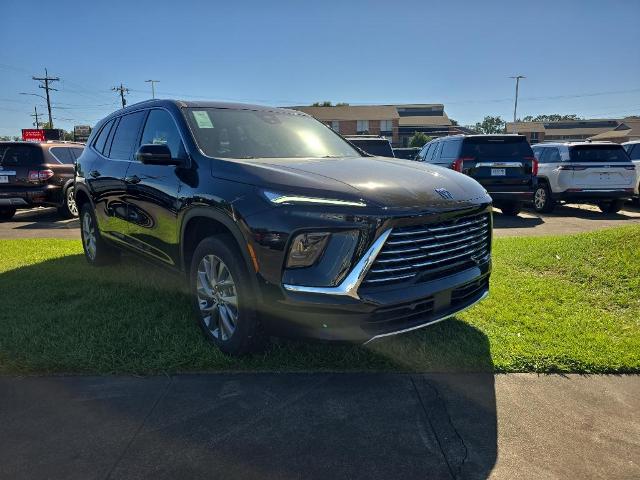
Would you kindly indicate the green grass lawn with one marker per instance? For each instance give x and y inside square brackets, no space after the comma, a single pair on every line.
[557,304]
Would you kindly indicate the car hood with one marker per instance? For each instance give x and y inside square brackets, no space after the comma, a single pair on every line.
[385,182]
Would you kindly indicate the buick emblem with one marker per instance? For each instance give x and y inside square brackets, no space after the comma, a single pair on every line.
[444,193]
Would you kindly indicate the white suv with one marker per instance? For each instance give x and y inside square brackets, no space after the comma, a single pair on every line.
[633,149]
[583,172]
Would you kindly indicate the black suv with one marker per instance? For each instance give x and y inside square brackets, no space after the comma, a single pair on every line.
[37,174]
[503,164]
[280,225]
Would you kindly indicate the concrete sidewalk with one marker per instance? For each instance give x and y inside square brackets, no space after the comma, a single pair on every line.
[281,426]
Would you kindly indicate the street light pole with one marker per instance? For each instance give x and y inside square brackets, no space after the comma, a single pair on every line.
[153,87]
[515,107]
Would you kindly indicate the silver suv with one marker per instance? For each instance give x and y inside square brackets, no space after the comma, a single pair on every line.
[584,172]
[633,149]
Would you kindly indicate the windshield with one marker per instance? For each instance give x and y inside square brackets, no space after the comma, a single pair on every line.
[493,147]
[227,133]
[598,153]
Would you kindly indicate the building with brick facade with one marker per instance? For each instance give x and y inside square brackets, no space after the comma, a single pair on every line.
[395,122]
[615,130]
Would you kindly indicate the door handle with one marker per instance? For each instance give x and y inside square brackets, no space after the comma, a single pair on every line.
[132,179]
[94,173]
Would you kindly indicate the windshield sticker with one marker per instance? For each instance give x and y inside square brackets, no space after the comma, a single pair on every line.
[202,119]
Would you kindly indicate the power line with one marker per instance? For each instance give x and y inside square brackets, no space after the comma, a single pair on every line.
[46,79]
[122,90]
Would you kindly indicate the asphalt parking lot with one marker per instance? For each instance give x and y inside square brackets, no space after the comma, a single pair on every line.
[46,223]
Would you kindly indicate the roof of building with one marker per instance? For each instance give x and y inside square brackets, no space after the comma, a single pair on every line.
[526,126]
[612,135]
[424,120]
[351,112]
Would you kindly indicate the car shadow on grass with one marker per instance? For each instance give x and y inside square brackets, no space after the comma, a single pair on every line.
[63,316]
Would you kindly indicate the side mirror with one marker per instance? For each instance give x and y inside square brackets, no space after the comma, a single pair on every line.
[152,154]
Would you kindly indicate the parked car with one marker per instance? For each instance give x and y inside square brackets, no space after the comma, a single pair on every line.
[408,153]
[372,144]
[37,174]
[281,226]
[585,172]
[503,164]
[633,150]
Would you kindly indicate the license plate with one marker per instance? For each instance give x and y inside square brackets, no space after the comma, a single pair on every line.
[498,172]
[4,178]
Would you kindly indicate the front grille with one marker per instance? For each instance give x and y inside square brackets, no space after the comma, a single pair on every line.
[431,250]
[401,316]
[462,295]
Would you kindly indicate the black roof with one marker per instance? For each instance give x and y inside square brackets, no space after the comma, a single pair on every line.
[201,104]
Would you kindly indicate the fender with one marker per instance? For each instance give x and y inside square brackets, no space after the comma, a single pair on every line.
[83,188]
[231,225]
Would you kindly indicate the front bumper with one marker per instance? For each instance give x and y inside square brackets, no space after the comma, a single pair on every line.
[379,313]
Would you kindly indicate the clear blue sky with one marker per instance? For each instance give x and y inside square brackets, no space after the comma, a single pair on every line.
[579,57]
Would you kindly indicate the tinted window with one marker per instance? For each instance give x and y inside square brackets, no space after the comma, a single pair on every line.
[635,152]
[264,134]
[76,152]
[160,129]
[380,148]
[62,154]
[102,137]
[19,155]
[435,153]
[449,149]
[553,155]
[496,147]
[126,136]
[598,153]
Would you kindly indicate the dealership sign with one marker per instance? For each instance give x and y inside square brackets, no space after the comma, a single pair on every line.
[33,135]
[81,133]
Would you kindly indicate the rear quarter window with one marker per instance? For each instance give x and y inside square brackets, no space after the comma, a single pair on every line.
[598,153]
[62,154]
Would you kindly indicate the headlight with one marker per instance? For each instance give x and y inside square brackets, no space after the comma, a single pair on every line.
[281,198]
[306,248]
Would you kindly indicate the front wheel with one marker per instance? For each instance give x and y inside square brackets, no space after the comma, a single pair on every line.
[7,213]
[69,208]
[613,206]
[96,250]
[223,299]
[542,201]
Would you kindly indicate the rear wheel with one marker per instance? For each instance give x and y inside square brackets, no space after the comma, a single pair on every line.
[542,201]
[96,250]
[613,206]
[511,208]
[223,298]
[69,209]
[7,213]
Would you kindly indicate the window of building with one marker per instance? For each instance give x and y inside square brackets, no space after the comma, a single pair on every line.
[335,126]
[362,126]
[535,138]
[386,126]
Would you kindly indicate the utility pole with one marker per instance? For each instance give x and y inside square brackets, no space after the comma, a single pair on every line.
[122,91]
[47,79]
[35,109]
[153,87]
[515,107]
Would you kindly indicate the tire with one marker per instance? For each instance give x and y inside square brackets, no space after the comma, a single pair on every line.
[96,251]
[511,209]
[217,275]
[612,206]
[69,208]
[7,213]
[542,201]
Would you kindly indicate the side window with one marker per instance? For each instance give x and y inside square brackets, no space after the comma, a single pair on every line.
[635,152]
[101,140]
[160,129]
[76,152]
[125,138]
[449,149]
[553,156]
[62,154]
[423,153]
[435,156]
[539,154]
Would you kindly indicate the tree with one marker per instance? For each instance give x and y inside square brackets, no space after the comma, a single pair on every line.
[419,139]
[454,122]
[491,125]
[326,103]
[554,117]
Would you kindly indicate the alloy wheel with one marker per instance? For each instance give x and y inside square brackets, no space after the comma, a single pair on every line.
[540,198]
[89,236]
[217,297]
[71,202]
